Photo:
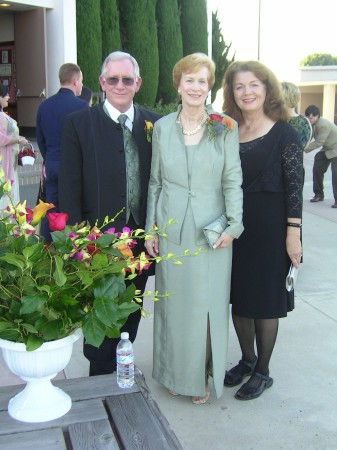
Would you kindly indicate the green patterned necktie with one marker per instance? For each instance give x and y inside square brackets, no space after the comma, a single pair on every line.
[132,172]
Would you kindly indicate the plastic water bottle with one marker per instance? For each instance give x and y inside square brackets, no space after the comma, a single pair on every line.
[125,362]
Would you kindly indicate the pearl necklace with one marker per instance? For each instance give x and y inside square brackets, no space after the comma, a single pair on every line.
[197,129]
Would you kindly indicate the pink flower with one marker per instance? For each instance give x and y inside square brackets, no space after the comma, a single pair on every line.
[57,221]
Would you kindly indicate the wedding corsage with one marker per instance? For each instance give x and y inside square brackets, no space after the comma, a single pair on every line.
[148,130]
[216,124]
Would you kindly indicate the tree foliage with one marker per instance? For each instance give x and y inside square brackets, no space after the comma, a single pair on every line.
[139,38]
[219,54]
[89,57]
[193,20]
[111,40]
[319,59]
[170,47]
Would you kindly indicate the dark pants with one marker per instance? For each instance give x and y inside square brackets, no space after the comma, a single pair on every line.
[103,359]
[321,165]
[51,193]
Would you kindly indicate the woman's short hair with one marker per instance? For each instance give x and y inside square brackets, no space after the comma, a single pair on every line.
[291,94]
[118,56]
[274,105]
[67,72]
[191,64]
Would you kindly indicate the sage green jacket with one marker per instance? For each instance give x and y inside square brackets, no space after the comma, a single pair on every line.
[325,135]
[213,187]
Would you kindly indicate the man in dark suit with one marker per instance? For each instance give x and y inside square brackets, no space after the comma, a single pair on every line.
[49,118]
[100,174]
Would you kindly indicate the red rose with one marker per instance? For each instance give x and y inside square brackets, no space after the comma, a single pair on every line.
[57,221]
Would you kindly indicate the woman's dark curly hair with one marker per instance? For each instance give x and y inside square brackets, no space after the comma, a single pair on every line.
[274,105]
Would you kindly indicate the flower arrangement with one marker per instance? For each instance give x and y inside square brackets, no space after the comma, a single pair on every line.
[27,150]
[148,130]
[216,124]
[79,280]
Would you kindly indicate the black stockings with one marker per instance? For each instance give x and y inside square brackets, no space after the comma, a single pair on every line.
[264,332]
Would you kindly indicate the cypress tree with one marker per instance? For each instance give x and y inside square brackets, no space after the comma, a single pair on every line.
[139,38]
[111,40]
[219,54]
[193,21]
[89,41]
[170,47]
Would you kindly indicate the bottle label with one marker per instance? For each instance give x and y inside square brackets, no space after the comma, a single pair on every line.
[125,359]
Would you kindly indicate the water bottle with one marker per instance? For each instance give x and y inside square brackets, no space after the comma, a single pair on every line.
[125,362]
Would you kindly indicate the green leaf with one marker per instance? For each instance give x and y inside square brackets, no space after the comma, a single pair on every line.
[99,261]
[33,342]
[32,303]
[10,334]
[105,240]
[93,330]
[14,259]
[58,274]
[51,330]
[109,286]
[105,310]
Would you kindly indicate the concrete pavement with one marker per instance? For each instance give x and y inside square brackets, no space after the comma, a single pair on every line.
[299,411]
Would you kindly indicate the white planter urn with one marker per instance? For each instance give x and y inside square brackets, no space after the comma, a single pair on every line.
[40,400]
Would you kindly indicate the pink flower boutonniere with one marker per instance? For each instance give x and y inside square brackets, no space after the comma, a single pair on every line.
[148,130]
[216,125]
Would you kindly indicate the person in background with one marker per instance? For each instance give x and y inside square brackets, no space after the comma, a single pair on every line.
[10,142]
[292,96]
[325,136]
[272,165]
[105,168]
[195,178]
[49,118]
[86,95]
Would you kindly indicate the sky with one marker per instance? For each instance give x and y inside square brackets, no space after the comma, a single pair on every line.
[290,30]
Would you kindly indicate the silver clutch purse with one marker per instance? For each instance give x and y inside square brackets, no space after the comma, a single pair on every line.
[291,278]
[214,230]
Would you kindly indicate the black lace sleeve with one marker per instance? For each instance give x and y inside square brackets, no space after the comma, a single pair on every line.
[292,161]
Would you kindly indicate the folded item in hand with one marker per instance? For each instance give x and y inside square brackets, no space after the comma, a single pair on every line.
[214,230]
[291,278]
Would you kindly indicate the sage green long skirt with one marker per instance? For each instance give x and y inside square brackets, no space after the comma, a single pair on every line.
[199,290]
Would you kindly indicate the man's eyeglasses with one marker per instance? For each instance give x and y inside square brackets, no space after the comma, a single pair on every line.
[113,81]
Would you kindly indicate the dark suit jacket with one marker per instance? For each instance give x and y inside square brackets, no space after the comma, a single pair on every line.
[92,173]
[49,119]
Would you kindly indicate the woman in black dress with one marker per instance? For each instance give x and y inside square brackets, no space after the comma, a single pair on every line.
[272,164]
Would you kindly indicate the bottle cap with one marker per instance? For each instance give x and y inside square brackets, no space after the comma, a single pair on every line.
[125,335]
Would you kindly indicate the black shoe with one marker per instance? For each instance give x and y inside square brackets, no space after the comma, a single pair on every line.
[317,198]
[251,390]
[334,205]
[236,375]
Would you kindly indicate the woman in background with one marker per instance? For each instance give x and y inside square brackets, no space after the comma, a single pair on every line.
[292,96]
[10,142]
[272,166]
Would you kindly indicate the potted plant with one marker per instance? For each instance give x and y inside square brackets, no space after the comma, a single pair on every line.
[50,291]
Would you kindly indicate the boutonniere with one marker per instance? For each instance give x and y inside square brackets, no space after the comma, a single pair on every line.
[148,130]
[216,125]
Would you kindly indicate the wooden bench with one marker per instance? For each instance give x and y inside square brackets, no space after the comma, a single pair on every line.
[102,417]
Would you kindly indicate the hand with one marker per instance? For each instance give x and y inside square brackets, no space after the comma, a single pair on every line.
[152,246]
[225,240]
[294,248]
[23,141]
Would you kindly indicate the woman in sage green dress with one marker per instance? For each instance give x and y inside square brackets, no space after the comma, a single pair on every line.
[195,178]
